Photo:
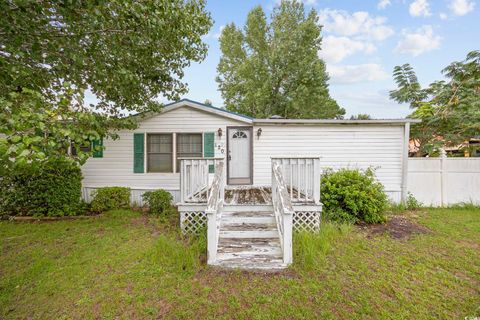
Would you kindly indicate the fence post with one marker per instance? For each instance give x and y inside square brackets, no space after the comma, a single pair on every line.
[406,144]
[316,180]
[211,236]
[287,238]
[443,159]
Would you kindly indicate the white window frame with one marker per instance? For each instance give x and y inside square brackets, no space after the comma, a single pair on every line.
[146,150]
[174,149]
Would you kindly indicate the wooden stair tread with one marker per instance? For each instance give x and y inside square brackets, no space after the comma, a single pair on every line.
[247,214]
[252,264]
[248,233]
[239,219]
[250,240]
[249,227]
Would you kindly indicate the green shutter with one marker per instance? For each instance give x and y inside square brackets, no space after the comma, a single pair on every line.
[208,144]
[97,148]
[138,152]
[209,148]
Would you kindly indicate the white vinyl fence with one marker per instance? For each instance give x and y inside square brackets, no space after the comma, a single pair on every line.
[444,181]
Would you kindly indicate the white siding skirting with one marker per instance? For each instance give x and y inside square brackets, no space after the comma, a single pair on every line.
[135,195]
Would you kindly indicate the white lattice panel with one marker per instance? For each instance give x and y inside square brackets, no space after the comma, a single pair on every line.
[193,221]
[308,221]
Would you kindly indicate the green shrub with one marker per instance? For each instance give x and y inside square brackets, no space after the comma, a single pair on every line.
[159,202]
[412,203]
[350,195]
[50,188]
[110,198]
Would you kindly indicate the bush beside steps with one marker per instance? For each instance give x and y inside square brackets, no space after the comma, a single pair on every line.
[353,196]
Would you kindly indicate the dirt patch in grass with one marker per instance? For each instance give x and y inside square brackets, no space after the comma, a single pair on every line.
[397,227]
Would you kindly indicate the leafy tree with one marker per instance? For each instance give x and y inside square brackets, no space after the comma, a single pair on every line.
[361,116]
[274,69]
[125,52]
[449,109]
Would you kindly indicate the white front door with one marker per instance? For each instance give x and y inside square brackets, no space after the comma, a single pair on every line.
[239,155]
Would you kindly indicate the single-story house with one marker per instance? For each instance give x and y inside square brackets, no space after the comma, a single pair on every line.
[190,129]
[221,167]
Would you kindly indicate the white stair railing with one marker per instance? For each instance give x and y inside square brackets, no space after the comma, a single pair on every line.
[214,211]
[195,179]
[302,178]
[283,210]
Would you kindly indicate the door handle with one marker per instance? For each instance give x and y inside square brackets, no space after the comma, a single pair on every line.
[229,157]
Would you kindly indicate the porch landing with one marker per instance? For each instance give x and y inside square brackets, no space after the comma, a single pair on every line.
[245,195]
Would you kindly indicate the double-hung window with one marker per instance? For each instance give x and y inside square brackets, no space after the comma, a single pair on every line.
[160,152]
[189,145]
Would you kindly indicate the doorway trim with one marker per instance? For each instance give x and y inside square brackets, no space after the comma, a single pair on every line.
[250,129]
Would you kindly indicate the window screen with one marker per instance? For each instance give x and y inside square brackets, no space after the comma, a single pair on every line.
[159,153]
[189,145]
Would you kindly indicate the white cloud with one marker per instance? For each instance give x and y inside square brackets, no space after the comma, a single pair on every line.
[310,2]
[382,4]
[346,74]
[461,7]
[219,33]
[443,16]
[375,103]
[359,24]
[419,41]
[419,8]
[214,34]
[335,49]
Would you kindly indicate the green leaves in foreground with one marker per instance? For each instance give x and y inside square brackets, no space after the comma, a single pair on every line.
[449,110]
[54,54]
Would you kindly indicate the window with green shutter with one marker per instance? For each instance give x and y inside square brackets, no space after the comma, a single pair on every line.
[138,152]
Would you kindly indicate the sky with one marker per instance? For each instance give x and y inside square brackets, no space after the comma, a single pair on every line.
[363,40]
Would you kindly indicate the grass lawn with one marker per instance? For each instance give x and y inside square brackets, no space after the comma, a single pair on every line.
[124,265]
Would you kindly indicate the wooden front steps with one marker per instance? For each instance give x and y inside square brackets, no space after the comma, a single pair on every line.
[249,239]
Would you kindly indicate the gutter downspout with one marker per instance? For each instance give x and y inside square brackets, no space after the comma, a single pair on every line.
[406,140]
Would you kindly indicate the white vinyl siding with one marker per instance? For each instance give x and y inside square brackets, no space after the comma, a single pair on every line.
[339,146]
[116,166]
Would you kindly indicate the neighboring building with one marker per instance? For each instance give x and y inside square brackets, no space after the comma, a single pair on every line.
[470,148]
